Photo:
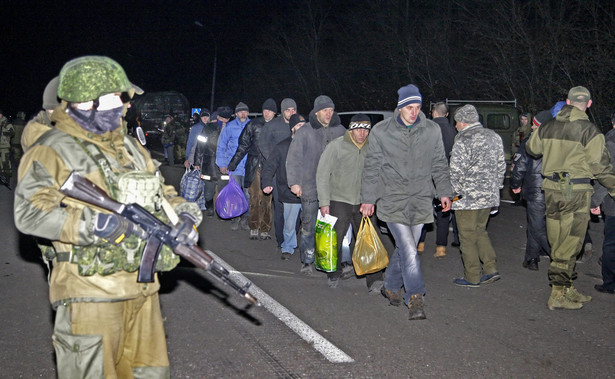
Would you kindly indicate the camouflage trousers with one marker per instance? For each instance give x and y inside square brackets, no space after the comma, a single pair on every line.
[260,206]
[567,221]
[122,339]
[5,162]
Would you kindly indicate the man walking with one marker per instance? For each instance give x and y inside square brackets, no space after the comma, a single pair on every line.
[477,173]
[301,163]
[405,159]
[573,153]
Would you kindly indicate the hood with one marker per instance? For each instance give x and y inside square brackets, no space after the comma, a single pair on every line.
[335,120]
[571,113]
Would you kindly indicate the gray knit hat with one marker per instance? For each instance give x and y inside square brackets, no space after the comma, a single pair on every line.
[241,107]
[466,114]
[288,103]
[322,102]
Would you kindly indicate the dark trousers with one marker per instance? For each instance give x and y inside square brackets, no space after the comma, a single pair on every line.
[278,215]
[537,241]
[442,221]
[608,254]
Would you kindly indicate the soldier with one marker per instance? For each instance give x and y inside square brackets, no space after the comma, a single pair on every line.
[573,153]
[106,324]
[18,126]
[171,126]
[6,135]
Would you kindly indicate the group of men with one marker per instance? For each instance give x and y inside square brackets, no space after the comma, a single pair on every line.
[108,324]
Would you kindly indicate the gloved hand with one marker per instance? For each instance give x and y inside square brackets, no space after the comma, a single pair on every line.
[186,231]
[113,228]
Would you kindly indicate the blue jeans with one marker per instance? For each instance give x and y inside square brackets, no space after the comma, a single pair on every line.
[309,214]
[405,264]
[291,211]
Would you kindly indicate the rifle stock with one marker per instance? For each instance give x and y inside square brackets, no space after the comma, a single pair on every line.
[155,231]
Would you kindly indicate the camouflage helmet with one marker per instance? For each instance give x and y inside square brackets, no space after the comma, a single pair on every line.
[87,78]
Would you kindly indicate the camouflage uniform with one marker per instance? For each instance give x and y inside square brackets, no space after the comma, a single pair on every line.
[181,138]
[569,144]
[18,126]
[100,306]
[6,135]
[477,169]
[168,139]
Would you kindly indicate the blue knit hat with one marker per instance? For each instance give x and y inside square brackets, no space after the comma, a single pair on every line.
[409,95]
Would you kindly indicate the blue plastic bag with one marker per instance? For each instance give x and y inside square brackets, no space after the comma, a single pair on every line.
[231,201]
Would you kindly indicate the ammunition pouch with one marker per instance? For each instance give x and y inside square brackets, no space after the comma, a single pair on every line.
[566,182]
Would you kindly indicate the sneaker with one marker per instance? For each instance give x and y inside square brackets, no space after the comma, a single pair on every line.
[307,269]
[558,300]
[333,282]
[376,287]
[254,234]
[347,272]
[416,308]
[574,295]
[265,236]
[462,282]
[486,279]
[395,298]
[286,256]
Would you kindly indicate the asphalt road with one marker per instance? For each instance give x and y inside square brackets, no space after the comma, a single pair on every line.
[499,330]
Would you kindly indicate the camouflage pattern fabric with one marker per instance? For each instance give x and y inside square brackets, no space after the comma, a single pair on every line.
[477,167]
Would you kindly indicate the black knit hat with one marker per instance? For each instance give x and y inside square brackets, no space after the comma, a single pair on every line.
[225,112]
[270,105]
[360,121]
[295,119]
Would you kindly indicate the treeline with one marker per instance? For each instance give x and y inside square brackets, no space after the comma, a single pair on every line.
[361,52]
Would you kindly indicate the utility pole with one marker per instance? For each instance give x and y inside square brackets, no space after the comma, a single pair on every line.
[213,79]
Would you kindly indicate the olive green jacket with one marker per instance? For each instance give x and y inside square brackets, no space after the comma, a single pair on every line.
[571,143]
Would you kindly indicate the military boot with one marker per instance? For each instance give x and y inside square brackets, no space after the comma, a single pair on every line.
[574,295]
[558,299]
[395,298]
[440,252]
[415,306]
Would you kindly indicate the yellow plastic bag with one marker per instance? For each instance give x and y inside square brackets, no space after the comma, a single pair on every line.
[369,254]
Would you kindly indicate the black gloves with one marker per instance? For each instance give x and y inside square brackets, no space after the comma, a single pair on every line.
[186,231]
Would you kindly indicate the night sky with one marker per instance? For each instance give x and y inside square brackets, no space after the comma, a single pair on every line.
[157,42]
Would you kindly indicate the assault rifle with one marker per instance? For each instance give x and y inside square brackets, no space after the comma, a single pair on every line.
[154,231]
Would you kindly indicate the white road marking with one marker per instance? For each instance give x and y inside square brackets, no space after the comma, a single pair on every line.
[321,344]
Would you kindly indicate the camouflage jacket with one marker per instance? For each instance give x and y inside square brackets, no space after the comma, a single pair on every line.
[41,210]
[477,167]
[571,143]
[6,133]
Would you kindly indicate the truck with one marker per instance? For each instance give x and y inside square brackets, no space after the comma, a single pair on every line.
[500,115]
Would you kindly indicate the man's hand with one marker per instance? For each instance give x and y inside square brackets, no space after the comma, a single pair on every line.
[595,211]
[186,164]
[446,203]
[516,190]
[113,228]
[268,189]
[367,210]
[197,168]
[324,211]
[223,170]
[296,189]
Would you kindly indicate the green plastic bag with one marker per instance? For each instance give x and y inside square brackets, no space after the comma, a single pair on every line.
[325,257]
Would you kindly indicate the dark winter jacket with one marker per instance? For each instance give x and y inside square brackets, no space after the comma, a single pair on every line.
[275,131]
[602,194]
[448,135]
[305,150]
[205,150]
[248,144]
[527,171]
[275,166]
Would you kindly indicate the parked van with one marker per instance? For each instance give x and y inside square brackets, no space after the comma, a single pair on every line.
[501,116]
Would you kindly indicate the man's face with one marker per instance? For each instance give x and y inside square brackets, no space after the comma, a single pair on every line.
[167,120]
[324,116]
[359,135]
[287,113]
[223,120]
[268,115]
[460,125]
[409,113]
[523,120]
[242,115]
[205,119]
